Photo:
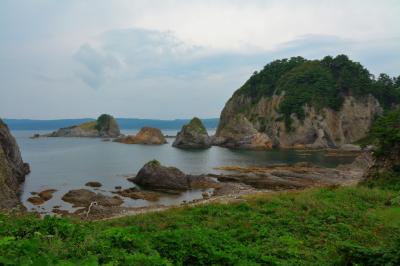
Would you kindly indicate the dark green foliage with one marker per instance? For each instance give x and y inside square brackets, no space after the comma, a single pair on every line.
[310,83]
[264,83]
[328,226]
[318,83]
[104,122]
[387,90]
[386,133]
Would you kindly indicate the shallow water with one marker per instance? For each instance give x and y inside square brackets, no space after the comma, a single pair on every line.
[69,163]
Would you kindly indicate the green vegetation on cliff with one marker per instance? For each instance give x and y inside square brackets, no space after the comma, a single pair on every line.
[386,133]
[318,83]
[196,125]
[329,226]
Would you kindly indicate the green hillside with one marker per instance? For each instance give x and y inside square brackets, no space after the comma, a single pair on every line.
[319,83]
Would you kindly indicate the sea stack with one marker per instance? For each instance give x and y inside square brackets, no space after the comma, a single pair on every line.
[193,136]
[12,169]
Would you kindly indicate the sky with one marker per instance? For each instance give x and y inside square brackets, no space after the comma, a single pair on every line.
[172,59]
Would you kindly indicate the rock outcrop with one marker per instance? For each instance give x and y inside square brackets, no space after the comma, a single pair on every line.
[153,175]
[104,127]
[260,126]
[193,136]
[12,169]
[146,135]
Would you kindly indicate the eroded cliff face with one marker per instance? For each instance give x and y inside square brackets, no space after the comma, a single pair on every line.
[244,124]
[12,169]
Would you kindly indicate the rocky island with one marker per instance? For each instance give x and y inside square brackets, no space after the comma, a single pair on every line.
[193,136]
[104,127]
[146,135]
[12,169]
[300,103]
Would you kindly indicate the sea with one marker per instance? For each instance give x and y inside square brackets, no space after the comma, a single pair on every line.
[69,163]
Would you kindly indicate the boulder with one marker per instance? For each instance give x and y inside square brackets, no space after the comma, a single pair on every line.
[36,200]
[93,184]
[146,135]
[12,169]
[83,198]
[47,194]
[154,175]
[193,136]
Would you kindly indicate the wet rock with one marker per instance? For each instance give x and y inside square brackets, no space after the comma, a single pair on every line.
[135,193]
[93,184]
[83,198]
[193,136]
[36,200]
[47,194]
[147,135]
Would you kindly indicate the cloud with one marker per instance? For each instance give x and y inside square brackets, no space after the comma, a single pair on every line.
[169,58]
[138,54]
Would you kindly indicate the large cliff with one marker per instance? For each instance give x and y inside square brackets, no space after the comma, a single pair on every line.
[299,103]
[12,169]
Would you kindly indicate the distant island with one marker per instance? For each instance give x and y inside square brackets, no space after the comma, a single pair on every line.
[124,123]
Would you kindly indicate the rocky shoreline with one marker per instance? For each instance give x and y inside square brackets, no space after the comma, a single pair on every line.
[230,185]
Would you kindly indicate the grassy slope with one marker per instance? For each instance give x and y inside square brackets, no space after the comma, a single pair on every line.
[314,227]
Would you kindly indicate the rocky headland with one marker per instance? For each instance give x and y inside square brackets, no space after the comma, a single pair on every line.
[104,127]
[12,169]
[146,135]
[193,136]
[299,103]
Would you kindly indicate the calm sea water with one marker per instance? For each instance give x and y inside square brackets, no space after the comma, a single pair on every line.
[69,163]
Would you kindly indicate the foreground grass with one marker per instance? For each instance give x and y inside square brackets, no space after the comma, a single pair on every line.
[338,226]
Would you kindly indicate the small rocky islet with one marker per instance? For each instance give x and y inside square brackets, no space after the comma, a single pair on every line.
[104,127]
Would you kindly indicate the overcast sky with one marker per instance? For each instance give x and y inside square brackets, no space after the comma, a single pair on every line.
[172,59]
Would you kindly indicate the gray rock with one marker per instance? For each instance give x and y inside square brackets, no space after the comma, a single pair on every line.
[155,176]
